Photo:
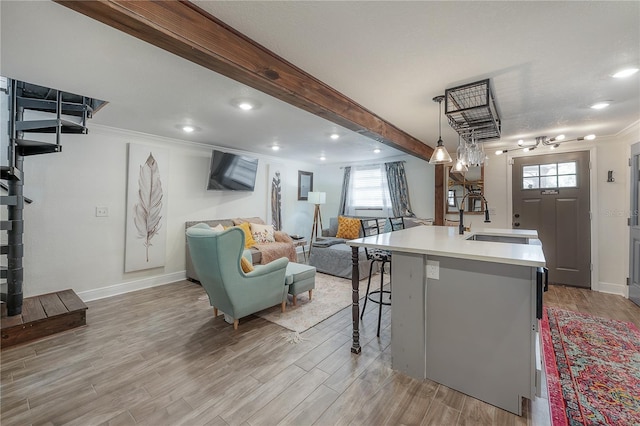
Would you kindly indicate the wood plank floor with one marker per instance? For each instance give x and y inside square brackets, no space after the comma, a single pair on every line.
[158,357]
[42,316]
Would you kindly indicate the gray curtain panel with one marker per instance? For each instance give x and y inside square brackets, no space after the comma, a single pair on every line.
[398,189]
[342,207]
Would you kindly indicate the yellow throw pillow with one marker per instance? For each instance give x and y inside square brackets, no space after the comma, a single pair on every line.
[248,238]
[245,265]
[348,228]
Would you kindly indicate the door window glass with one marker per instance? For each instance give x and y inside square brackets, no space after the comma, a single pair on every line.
[567,168]
[551,175]
[530,183]
[548,169]
[529,171]
[567,181]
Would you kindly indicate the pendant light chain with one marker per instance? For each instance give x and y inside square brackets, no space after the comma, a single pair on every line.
[440,120]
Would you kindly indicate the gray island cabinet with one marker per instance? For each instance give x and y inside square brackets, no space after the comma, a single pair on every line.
[464,309]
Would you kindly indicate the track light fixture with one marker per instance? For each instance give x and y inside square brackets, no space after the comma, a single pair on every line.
[552,143]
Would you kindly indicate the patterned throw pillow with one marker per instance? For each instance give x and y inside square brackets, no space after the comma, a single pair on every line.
[262,233]
[245,265]
[218,228]
[348,228]
[248,238]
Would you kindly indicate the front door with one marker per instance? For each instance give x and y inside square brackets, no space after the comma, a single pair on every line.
[551,195]
[634,228]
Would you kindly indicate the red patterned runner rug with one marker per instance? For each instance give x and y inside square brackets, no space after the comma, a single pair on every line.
[593,369]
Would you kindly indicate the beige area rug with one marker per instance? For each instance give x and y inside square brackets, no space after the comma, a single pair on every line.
[331,295]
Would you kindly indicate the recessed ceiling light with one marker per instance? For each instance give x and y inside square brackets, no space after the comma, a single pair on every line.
[526,149]
[245,104]
[334,136]
[376,151]
[275,147]
[323,158]
[188,129]
[501,151]
[600,105]
[559,137]
[520,142]
[625,73]
[590,137]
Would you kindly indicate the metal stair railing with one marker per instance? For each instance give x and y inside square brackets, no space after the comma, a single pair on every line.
[25,96]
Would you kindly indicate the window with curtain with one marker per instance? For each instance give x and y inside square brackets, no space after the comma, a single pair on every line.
[368,190]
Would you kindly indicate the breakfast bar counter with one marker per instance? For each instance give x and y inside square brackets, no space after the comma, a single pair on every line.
[464,310]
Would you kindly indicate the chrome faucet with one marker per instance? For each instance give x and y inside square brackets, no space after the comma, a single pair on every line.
[486,211]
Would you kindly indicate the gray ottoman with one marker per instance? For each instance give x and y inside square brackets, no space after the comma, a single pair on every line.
[300,278]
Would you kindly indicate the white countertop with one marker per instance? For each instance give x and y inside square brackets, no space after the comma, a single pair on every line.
[445,241]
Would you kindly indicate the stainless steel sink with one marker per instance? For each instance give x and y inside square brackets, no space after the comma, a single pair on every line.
[499,239]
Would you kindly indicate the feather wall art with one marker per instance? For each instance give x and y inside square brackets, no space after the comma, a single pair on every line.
[146,232]
[148,210]
[276,202]
[275,197]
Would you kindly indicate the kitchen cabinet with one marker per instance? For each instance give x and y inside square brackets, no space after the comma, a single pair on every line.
[464,311]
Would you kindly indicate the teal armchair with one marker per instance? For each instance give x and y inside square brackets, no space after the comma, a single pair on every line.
[216,259]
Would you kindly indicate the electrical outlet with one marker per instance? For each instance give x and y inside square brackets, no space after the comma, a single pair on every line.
[433,269]
[102,211]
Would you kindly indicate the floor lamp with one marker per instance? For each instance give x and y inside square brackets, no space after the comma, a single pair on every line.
[317,198]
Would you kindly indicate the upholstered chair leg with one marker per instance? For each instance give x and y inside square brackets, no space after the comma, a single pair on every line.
[215,312]
[235,324]
[284,306]
[295,300]
[310,295]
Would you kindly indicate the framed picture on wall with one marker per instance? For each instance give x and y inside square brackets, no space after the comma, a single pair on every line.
[305,184]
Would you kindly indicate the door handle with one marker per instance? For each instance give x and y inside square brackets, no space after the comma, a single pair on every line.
[546,279]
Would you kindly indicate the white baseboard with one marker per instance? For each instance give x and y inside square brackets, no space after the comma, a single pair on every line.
[619,289]
[126,287]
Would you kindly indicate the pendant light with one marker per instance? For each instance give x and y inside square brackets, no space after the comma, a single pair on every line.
[440,154]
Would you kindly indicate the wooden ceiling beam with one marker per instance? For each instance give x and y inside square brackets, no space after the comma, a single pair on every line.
[193,34]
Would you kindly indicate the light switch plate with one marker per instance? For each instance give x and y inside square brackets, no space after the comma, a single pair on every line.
[433,269]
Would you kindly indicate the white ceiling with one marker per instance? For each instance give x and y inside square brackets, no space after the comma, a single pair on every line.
[547,61]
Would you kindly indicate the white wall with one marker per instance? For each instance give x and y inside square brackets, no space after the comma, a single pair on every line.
[67,246]
[420,179]
[610,204]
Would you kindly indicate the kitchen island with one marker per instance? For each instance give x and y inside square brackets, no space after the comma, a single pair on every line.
[464,309]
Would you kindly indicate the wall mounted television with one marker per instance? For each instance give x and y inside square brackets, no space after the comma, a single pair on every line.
[232,172]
